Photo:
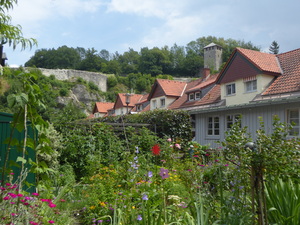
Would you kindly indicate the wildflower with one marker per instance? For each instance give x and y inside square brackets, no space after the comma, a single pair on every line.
[50,221]
[92,207]
[99,221]
[145,197]
[137,150]
[6,198]
[12,195]
[139,217]
[164,173]
[226,165]
[156,150]
[51,205]
[35,194]
[150,174]
[178,146]
[169,140]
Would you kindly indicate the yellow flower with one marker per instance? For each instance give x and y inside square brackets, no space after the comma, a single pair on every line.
[102,204]
[92,207]
[133,207]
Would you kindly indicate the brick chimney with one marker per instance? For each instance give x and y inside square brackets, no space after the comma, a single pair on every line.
[206,73]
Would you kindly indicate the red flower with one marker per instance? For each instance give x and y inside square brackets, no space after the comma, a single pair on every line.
[155,150]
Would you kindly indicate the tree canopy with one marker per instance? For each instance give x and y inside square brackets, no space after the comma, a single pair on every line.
[180,61]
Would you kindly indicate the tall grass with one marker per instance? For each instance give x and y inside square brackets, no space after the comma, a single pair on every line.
[283,202]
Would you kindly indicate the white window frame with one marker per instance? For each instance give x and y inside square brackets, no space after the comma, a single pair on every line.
[233,118]
[154,104]
[213,126]
[251,86]
[162,102]
[191,96]
[197,95]
[294,120]
[232,89]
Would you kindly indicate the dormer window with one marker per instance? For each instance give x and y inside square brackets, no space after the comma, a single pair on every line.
[191,96]
[194,96]
[138,108]
[197,95]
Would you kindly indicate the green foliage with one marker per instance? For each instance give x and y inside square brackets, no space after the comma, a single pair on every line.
[283,202]
[174,124]
[180,61]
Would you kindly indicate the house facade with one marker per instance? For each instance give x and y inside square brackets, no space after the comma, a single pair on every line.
[252,85]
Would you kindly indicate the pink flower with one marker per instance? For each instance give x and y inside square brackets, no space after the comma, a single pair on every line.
[35,194]
[226,165]
[50,221]
[6,198]
[51,205]
[169,139]
[12,195]
[178,146]
[8,184]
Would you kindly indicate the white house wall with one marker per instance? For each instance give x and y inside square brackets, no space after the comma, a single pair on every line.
[250,118]
[241,96]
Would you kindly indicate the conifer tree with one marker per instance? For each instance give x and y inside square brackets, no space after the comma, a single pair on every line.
[274,48]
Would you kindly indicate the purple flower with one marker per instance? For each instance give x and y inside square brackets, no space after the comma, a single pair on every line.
[145,197]
[139,217]
[150,174]
[164,173]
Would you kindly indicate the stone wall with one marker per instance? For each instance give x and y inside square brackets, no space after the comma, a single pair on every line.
[65,74]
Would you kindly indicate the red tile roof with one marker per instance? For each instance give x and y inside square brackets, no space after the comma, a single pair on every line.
[210,80]
[168,88]
[264,61]
[102,107]
[134,98]
[289,81]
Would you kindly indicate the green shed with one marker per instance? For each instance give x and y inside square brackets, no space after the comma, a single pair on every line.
[15,152]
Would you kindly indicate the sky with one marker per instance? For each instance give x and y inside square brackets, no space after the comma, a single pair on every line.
[117,25]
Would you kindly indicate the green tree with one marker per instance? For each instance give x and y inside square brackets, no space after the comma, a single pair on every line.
[274,48]
[10,34]
[91,62]
[154,61]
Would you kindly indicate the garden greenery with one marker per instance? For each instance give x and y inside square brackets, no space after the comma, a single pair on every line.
[89,172]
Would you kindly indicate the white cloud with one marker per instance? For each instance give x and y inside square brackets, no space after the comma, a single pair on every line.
[147,8]
[34,11]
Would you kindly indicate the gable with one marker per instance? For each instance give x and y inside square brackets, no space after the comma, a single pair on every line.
[238,68]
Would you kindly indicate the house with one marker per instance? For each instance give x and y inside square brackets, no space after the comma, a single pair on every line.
[164,92]
[252,84]
[101,109]
[125,102]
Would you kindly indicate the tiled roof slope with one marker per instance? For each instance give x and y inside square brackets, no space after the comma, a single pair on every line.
[134,98]
[177,103]
[210,97]
[263,61]
[102,107]
[172,87]
[289,81]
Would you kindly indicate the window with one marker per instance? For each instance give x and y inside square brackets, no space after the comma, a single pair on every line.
[213,126]
[293,119]
[154,104]
[231,119]
[197,95]
[251,86]
[138,108]
[230,89]
[162,102]
[191,96]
